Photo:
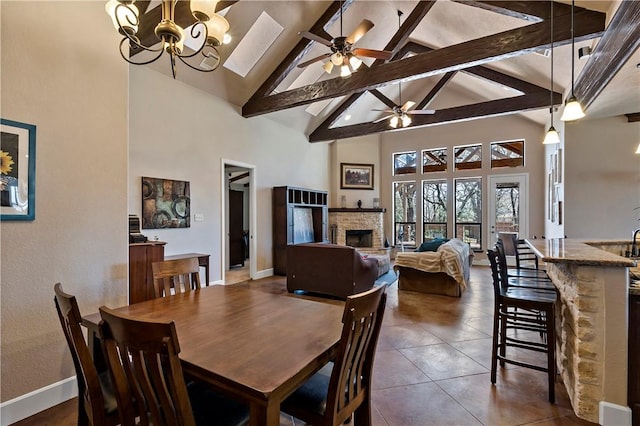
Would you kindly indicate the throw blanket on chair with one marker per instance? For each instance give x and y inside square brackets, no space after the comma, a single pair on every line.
[453,258]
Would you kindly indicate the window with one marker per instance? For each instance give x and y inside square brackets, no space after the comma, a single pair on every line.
[469,211]
[507,154]
[404,163]
[404,212]
[434,209]
[468,157]
[507,207]
[434,160]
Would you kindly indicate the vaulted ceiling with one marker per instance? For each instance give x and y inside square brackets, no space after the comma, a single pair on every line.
[464,59]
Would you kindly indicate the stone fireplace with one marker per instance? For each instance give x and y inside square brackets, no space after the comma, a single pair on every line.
[361,228]
[359,238]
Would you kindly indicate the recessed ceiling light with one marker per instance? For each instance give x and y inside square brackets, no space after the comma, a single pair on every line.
[347,117]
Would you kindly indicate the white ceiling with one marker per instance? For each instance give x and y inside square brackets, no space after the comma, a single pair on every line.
[447,23]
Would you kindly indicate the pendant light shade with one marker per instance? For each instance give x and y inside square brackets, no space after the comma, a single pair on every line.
[572,108]
[552,136]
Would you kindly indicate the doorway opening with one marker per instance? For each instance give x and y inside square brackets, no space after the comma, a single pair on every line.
[238,259]
[508,205]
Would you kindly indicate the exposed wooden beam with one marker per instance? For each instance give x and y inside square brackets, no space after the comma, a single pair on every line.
[435,90]
[410,23]
[619,42]
[492,108]
[388,102]
[533,11]
[239,177]
[633,117]
[299,51]
[483,50]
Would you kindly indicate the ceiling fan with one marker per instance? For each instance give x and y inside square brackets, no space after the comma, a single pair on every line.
[400,114]
[343,54]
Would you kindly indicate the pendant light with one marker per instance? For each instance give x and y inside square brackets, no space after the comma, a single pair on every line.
[572,108]
[552,136]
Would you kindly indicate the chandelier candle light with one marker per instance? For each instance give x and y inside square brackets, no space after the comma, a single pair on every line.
[208,32]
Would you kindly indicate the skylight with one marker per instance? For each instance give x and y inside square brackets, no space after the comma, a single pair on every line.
[253,45]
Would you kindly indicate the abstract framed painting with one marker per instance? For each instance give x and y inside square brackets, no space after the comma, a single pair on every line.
[166,203]
[17,171]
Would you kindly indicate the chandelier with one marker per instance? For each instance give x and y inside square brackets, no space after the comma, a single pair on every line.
[206,34]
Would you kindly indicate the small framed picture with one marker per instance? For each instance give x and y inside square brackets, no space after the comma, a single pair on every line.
[356,176]
[17,171]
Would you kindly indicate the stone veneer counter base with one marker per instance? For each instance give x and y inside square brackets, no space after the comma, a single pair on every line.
[591,352]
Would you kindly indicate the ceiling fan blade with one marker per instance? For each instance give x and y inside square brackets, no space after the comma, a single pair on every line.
[382,118]
[382,110]
[312,36]
[361,30]
[311,61]
[371,53]
[407,105]
[422,111]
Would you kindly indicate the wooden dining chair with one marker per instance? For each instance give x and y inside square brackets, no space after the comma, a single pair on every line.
[331,399]
[96,400]
[148,377]
[175,276]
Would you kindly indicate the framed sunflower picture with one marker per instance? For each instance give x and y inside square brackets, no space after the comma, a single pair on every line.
[17,171]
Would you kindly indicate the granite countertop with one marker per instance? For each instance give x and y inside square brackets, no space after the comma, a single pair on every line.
[566,250]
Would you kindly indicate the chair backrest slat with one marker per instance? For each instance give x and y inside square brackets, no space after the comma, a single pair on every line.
[175,276]
[351,377]
[89,389]
[143,357]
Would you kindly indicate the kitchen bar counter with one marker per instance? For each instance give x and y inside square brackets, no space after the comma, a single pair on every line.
[591,351]
[563,250]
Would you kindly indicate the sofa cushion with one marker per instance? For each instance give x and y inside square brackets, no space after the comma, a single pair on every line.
[431,245]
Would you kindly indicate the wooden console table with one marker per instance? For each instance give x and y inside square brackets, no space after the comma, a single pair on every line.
[203,260]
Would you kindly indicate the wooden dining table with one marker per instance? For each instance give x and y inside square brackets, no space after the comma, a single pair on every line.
[249,344]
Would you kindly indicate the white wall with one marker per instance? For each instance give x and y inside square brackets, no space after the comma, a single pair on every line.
[602,178]
[70,81]
[179,132]
[477,131]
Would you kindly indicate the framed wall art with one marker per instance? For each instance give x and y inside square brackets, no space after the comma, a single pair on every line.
[166,203]
[17,171]
[356,176]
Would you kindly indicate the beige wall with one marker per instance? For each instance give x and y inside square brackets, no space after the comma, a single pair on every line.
[602,178]
[202,131]
[362,150]
[477,131]
[69,81]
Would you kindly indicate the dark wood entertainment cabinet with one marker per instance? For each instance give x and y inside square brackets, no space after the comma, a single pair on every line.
[286,199]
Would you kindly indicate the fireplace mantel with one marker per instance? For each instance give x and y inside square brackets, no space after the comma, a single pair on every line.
[356,210]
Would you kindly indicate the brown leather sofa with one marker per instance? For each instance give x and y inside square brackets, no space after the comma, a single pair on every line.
[329,269]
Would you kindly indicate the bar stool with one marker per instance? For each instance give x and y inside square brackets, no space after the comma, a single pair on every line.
[522,309]
[526,278]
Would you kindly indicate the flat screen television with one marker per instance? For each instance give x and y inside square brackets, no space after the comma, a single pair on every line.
[302,225]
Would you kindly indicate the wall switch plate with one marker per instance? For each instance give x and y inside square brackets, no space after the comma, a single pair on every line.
[198,217]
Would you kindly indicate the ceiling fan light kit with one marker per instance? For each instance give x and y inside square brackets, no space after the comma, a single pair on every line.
[343,55]
[572,108]
[208,32]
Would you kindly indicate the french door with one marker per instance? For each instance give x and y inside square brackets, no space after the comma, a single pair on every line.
[508,205]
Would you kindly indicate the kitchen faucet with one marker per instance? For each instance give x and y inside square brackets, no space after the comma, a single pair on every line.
[634,244]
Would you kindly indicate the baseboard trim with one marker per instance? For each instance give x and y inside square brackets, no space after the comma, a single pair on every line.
[264,273]
[614,414]
[27,405]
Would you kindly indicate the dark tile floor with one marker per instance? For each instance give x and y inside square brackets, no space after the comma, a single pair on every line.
[432,366]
